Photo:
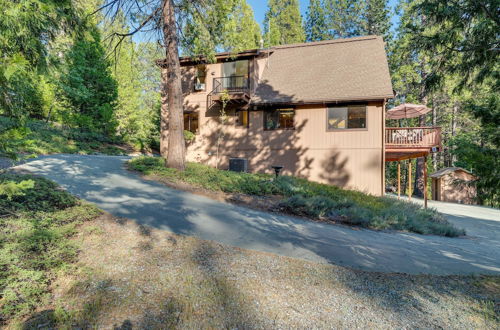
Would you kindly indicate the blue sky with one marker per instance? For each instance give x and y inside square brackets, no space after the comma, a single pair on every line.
[260,6]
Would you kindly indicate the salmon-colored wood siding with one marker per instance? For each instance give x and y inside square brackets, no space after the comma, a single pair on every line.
[347,158]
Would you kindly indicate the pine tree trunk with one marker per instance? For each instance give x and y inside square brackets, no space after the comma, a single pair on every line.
[419,169]
[176,144]
[164,115]
[434,124]
[453,131]
[418,188]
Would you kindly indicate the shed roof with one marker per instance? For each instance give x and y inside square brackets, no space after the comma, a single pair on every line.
[326,71]
[445,171]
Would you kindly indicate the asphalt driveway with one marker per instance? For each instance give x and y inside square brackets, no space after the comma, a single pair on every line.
[103,180]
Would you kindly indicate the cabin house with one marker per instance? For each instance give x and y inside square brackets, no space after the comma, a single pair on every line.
[317,109]
[453,184]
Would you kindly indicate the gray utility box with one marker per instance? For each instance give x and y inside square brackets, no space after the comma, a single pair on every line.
[238,164]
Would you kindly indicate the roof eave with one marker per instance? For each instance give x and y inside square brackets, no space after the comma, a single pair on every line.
[200,59]
[325,101]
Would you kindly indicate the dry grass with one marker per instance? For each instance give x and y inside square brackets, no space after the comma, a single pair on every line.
[134,276]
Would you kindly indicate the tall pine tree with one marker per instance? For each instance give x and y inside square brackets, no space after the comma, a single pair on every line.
[283,23]
[26,30]
[241,31]
[330,19]
[344,18]
[316,26]
[88,88]
[463,40]
[376,19]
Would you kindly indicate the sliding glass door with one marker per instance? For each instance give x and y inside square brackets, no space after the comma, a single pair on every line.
[235,75]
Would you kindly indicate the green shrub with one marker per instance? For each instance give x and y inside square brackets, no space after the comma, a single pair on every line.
[40,137]
[10,189]
[44,195]
[189,136]
[357,216]
[306,198]
[35,243]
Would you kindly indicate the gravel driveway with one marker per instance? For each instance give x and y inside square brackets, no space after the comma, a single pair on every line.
[103,180]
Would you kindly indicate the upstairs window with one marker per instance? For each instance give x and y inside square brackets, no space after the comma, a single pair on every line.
[279,119]
[346,117]
[201,77]
[191,122]
[235,74]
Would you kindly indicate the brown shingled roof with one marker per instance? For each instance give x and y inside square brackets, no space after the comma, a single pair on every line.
[326,71]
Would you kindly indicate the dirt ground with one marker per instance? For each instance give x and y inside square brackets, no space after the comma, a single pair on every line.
[131,276]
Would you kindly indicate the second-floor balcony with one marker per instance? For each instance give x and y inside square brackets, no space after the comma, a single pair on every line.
[411,142]
[412,137]
[232,84]
[237,88]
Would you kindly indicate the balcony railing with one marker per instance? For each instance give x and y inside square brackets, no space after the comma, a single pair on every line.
[412,137]
[233,84]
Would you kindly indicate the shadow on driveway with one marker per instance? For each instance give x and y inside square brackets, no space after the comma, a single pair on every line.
[103,180]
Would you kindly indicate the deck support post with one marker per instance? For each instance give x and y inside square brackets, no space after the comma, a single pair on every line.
[399,179]
[409,179]
[425,181]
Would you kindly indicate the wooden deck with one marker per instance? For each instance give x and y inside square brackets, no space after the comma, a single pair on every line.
[411,142]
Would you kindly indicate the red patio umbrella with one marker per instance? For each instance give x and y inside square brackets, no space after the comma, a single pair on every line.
[407,110]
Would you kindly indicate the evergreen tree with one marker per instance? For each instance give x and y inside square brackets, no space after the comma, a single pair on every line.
[88,88]
[227,25]
[479,150]
[283,23]
[467,29]
[241,31]
[344,18]
[376,19]
[467,109]
[130,119]
[133,120]
[26,29]
[329,19]
[462,43]
[409,69]
[316,26]
[150,78]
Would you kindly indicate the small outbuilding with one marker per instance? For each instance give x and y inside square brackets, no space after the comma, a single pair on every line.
[453,184]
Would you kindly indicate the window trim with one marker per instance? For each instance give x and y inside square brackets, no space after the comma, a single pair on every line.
[279,128]
[328,106]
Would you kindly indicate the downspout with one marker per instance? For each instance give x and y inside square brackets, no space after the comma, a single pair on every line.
[383,148]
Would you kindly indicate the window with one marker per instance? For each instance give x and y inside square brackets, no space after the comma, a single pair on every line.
[242,119]
[346,117]
[278,119]
[191,122]
[201,76]
[235,74]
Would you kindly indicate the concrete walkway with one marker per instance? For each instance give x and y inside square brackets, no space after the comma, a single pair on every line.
[104,181]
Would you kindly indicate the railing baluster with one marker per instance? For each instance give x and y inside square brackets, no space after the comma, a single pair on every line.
[413,136]
[231,84]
